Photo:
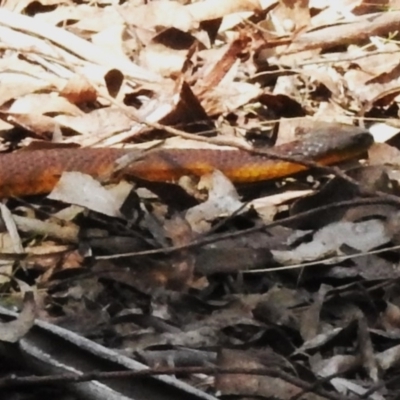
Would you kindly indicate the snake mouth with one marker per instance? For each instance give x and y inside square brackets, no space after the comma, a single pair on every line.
[361,141]
[354,146]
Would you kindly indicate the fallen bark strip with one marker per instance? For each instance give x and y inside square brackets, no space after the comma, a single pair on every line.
[379,24]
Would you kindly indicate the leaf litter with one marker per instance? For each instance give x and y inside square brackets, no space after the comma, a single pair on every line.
[300,274]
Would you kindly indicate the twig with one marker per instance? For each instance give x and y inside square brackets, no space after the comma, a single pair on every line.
[223,236]
[30,381]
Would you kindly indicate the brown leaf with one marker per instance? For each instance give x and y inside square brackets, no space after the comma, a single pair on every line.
[78,90]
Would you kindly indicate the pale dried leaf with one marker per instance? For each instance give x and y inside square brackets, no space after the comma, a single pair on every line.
[389,358]
[103,121]
[14,330]
[58,229]
[15,85]
[222,200]
[75,44]
[81,189]
[345,386]
[41,103]
[362,236]
[209,9]
[9,222]
[167,14]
